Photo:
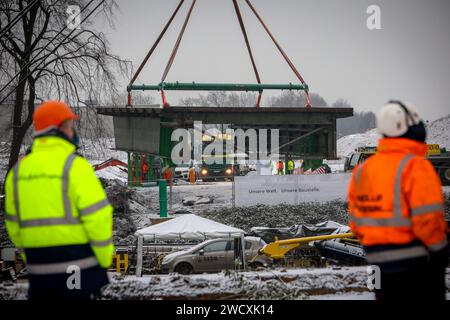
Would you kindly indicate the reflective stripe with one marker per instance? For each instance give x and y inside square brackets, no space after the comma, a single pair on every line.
[61,267]
[65,186]
[95,207]
[397,220]
[396,254]
[398,186]
[49,222]
[16,190]
[429,208]
[438,246]
[104,243]
[67,219]
[11,218]
[381,222]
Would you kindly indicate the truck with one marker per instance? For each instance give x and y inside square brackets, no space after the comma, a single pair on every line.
[439,158]
[221,170]
[223,166]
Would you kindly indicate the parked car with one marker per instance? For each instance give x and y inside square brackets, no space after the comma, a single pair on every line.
[212,256]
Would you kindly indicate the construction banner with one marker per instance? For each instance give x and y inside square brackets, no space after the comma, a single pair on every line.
[290,189]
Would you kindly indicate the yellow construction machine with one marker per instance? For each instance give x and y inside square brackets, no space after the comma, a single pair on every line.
[345,250]
[439,158]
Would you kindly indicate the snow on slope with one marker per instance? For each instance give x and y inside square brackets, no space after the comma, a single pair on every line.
[438,132]
[98,151]
[346,145]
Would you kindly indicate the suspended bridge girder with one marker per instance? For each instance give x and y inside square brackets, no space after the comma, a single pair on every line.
[137,129]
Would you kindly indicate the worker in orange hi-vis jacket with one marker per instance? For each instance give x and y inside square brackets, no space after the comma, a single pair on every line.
[280,167]
[397,209]
[192,177]
[168,175]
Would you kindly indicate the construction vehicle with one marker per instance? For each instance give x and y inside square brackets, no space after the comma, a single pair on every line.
[218,171]
[342,251]
[111,163]
[218,167]
[439,158]
[339,248]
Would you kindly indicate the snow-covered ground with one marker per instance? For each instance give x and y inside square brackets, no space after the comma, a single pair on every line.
[347,283]
[271,284]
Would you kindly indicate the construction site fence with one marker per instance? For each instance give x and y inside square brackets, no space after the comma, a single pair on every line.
[178,189]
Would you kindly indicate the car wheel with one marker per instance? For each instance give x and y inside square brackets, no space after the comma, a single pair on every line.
[184,268]
[445,176]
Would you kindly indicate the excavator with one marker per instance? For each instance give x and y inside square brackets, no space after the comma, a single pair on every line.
[111,163]
[341,248]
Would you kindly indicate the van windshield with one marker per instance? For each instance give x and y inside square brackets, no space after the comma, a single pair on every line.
[354,160]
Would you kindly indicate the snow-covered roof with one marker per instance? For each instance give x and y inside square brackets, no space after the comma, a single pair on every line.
[189,227]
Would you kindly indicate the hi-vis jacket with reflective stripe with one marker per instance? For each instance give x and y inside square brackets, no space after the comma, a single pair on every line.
[395,197]
[53,198]
[291,165]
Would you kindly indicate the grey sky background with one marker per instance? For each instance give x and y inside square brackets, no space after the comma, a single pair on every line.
[327,40]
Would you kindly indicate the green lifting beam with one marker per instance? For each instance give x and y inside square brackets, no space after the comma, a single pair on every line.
[193,86]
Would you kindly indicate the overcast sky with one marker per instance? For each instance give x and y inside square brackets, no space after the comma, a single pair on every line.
[409,58]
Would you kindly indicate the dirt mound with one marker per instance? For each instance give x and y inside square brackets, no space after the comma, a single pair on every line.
[120,196]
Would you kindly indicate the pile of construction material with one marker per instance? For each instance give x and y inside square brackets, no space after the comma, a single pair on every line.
[120,197]
[279,216]
[192,200]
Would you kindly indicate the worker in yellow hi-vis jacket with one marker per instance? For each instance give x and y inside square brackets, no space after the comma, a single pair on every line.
[57,212]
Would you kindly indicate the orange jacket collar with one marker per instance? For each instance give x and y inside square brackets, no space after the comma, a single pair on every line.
[403,145]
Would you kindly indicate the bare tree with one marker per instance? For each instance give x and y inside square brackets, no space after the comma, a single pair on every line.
[221,99]
[139,99]
[296,99]
[54,60]
[360,122]
[341,103]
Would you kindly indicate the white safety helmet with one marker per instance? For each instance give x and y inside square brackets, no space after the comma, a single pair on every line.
[395,118]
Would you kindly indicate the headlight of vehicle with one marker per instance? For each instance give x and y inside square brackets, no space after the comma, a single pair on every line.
[167,260]
[228,171]
[204,171]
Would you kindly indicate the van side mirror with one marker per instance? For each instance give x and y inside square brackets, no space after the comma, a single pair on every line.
[201,252]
